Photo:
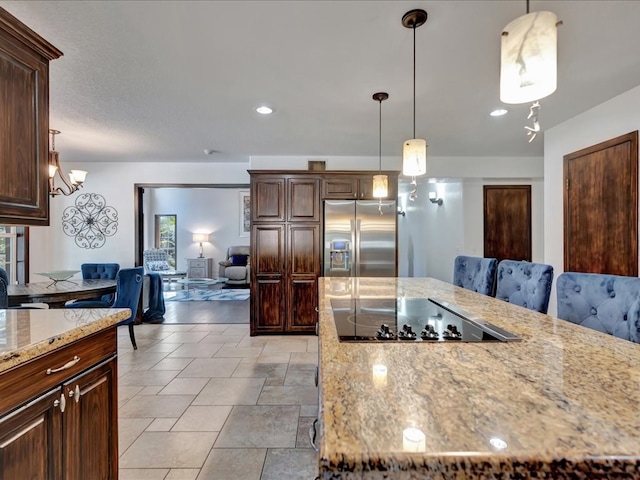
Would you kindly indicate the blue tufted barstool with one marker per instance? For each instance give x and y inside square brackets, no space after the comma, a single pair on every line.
[607,303]
[475,273]
[100,271]
[524,283]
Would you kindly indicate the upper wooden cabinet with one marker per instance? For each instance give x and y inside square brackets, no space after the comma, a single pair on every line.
[339,186]
[24,123]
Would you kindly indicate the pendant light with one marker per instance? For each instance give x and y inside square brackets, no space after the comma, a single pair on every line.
[380,181]
[414,152]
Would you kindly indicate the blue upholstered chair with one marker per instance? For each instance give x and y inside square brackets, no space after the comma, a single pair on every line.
[100,271]
[524,283]
[4,300]
[607,303]
[475,273]
[128,289]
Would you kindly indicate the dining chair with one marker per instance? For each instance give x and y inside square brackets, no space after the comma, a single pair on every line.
[607,303]
[128,289]
[101,271]
[525,283]
[475,273]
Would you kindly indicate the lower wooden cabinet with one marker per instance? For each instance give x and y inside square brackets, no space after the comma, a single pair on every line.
[69,431]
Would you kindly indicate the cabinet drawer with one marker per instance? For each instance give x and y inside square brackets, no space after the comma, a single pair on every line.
[197,263]
[26,381]
[196,272]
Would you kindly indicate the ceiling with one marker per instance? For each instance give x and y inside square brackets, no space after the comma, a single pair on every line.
[163,81]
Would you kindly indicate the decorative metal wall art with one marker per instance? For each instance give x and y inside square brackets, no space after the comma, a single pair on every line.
[90,221]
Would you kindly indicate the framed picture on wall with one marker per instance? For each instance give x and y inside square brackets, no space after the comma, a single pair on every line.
[245,213]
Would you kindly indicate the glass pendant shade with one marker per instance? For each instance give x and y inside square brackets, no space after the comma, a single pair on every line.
[528,63]
[380,186]
[414,157]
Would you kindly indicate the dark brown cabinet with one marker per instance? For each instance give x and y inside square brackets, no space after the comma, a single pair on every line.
[286,242]
[68,429]
[24,123]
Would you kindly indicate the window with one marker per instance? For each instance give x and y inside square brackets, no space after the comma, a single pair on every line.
[166,236]
[8,251]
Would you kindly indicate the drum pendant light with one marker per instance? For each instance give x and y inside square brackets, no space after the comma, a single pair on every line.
[380,181]
[414,152]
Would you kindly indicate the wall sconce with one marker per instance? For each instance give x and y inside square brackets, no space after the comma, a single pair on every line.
[433,198]
[199,238]
[76,177]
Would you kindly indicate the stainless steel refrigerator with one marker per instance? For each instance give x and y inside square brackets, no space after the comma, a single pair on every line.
[358,241]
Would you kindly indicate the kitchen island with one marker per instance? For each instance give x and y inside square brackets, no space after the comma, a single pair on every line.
[564,402]
[58,407]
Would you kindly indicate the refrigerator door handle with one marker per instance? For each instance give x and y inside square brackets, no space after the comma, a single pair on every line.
[356,247]
[353,251]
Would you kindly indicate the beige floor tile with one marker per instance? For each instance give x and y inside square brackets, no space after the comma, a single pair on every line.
[239,352]
[298,464]
[184,386]
[161,425]
[126,393]
[234,464]
[182,474]
[206,418]
[300,377]
[210,367]
[199,350]
[163,347]
[219,338]
[274,381]
[209,327]
[261,370]
[172,364]
[169,450]
[303,360]
[248,360]
[186,337]
[136,358]
[303,440]
[248,341]
[143,473]
[309,410]
[230,391]
[151,390]
[274,357]
[312,344]
[281,346]
[162,406]
[260,426]
[288,395]
[130,430]
[237,330]
[136,378]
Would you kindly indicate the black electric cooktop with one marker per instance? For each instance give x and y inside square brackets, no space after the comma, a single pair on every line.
[426,320]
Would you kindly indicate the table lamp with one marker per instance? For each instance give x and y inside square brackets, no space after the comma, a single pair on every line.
[199,238]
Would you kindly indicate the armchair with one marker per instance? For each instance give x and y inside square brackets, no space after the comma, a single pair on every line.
[236,266]
[156,260]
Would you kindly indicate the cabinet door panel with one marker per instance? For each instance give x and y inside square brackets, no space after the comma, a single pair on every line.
[30,440]
[268,250]
[267,306]
[303,200]
[91,449]
[304,249]
[267,199]
[303,300]
[345,187]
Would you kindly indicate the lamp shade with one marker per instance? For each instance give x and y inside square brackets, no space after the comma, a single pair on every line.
[414,157]
[200,237]
[528,62]
[380,186]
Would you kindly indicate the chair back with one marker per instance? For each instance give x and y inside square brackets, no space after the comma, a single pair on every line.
[128,288]
[100,271]
[4,299]
[607,303]
[4,276]
[524,283]
[475,273]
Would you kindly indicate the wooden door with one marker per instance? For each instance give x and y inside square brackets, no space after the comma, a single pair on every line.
[303,269]
[601,208]
[507,222]
[90,432]
[267,278]
[31,440]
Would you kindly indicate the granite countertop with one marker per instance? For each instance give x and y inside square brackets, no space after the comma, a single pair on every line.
[29,333]
[564,402]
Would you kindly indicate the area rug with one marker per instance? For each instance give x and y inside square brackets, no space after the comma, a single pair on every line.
[198,295]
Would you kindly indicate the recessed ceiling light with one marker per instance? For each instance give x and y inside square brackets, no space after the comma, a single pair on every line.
[264,110]
[498,112]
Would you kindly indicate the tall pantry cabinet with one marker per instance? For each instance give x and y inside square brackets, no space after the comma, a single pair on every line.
[285,252]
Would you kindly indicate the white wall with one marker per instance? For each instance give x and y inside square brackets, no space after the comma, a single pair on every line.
[611,119]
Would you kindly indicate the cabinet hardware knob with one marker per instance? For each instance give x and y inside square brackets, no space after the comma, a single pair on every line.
[62,403]
[75,393]
[67,365]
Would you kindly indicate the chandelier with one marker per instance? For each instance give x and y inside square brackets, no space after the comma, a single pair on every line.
[76,177]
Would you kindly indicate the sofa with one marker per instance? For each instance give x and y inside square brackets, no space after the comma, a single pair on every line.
[236,266]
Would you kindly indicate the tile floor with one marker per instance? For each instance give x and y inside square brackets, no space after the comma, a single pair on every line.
[209,402]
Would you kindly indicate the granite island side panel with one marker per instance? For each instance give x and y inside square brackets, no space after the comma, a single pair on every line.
[563,402]
[30,333]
